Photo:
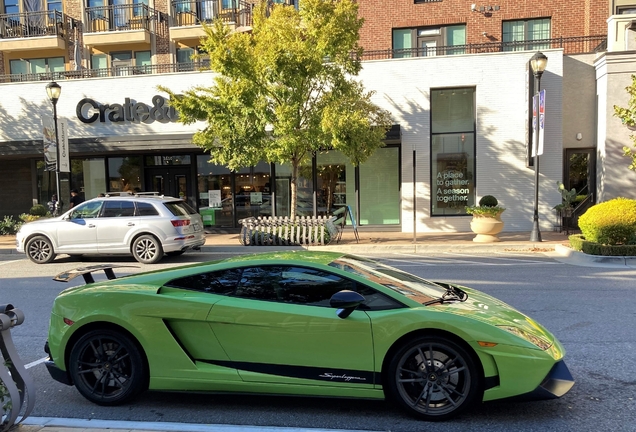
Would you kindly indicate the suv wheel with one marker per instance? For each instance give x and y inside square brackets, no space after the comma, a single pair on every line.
[40,250]
[146,249]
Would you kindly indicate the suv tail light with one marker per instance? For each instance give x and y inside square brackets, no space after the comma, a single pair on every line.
[180,222]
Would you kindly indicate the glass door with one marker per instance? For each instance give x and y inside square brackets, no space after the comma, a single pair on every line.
[174,182]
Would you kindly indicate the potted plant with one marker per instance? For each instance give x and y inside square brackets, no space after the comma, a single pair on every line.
[568,197]
[486,221]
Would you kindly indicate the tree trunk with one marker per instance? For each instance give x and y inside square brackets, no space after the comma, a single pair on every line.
[294,188]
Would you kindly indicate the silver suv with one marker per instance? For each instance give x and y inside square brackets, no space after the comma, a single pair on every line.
[144,226]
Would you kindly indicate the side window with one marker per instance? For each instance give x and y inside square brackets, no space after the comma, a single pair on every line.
[375,300]
[260,283]
[222,282]
[146,209]
[310,287]
[86,210]
[118,209]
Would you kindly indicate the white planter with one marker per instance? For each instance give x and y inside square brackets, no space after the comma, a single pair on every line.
[486,228]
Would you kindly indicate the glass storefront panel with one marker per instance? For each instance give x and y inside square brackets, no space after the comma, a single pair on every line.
[214,193]
[452,151]
[88,176]
[336,182]
[380,188]
[305,204]
[124,174]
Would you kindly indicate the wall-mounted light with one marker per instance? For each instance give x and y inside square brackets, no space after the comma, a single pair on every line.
[486,10]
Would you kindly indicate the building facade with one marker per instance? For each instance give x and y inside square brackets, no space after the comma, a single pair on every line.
[462,111]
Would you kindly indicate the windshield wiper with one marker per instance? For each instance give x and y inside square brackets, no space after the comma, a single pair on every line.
[452,294]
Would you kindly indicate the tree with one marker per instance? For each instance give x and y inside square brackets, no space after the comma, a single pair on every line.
[286,90]
[628,117]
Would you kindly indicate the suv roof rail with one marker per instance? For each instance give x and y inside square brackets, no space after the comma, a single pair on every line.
[110,194]
[148,193]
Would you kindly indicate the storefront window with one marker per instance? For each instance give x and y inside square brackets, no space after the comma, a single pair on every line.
[335,177]
[452,151]
[214,193]
[252,191]
[88,176]
[124,174]
[167,160]
[305,204]
[380,188]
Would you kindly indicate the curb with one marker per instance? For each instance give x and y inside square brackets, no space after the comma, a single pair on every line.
[576,256]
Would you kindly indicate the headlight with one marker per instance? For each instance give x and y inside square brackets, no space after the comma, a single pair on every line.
[542,343]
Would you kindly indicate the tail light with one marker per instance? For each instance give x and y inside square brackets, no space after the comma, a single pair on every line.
[180,223]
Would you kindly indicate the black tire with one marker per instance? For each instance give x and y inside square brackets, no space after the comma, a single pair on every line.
[433,378]
[146,249]
[40,250]
[107,367]
[175,253]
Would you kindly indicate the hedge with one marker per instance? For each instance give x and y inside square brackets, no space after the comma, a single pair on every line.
[579,243]
[610,223]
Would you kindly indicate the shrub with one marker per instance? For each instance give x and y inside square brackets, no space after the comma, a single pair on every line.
[610,223]
[488,201]
[26,217]
[8,225]
[488,206]
[38,210]
[578,243]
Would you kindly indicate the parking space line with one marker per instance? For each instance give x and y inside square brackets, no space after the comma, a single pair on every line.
[504,259]
[448,260]
[37,362]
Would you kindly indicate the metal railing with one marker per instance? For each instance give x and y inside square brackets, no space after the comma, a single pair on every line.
[579,44]
[195,12]
[570,45]
[119,18]
[33,24]
[203,64]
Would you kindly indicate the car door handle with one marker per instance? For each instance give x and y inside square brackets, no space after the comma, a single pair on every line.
[91,226]
[131,224]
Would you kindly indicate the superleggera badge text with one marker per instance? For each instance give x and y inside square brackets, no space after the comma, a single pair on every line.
[341,377]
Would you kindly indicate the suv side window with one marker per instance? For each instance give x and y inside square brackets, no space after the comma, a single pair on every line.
[118,209]
[146,209]
[86,210]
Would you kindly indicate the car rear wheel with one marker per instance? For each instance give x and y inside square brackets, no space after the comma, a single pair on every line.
[40,250]
[433,378]
[107,368]
[147,250]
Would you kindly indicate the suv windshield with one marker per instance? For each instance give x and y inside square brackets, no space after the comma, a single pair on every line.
[404,283]
[179,208]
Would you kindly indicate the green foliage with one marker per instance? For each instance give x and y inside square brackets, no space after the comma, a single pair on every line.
[8,225]
[38,210]
[488,207]
[628,117]
[488,201]
[579,243]
[26,217]
[610,223]
[568,197]
[286,90]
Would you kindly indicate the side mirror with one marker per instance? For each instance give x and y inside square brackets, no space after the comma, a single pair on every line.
[345,301]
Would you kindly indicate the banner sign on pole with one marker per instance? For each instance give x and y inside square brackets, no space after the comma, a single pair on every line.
[50,146]
[538,100]
[62,132]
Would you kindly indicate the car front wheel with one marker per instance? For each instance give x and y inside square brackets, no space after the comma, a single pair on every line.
[40,250]
[147,250]
[107,367]
[433,378]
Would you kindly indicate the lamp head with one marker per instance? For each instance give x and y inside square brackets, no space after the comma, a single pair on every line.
[53,90]
[538,62]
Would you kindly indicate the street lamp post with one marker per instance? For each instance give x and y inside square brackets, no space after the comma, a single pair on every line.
[538,62]
[53,90]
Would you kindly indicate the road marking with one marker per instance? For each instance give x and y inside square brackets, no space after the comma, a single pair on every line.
[37,362]
[504,259]
[448,260]
[94,424]
[9,262]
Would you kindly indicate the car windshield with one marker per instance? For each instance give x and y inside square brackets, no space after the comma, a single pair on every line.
[404,283]
[180,208]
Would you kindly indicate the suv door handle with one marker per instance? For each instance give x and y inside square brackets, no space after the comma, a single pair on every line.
[131,224]
[91,226]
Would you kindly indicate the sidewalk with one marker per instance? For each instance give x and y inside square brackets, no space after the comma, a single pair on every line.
[378,242]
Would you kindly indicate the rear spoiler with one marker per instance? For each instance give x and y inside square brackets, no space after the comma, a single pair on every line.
[86,272]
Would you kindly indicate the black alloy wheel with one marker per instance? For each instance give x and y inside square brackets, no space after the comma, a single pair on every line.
[40,250]
[107,367]
[433,378]
[146,249]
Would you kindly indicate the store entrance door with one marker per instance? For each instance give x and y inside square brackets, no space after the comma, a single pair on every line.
[170,181]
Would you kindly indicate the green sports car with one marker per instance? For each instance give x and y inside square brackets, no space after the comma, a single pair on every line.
[299,323]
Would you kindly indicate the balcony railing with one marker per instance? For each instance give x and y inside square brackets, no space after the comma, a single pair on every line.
[573,45]
[108,72]
[119,18]
[570,45]
[33,24]
[195,12]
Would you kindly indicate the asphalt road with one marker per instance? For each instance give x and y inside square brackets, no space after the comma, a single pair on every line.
[591,310]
